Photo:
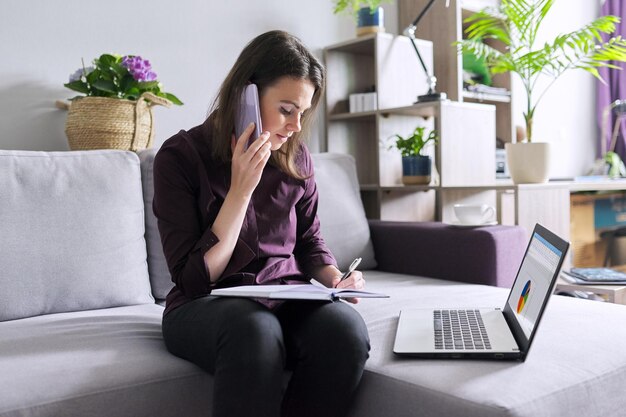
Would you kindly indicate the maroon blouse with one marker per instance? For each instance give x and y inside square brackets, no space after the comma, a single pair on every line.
[279,242]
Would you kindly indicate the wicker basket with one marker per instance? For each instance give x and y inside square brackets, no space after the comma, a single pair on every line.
[110,123]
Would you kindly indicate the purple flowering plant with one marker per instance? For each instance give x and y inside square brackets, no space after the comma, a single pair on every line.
[115,76]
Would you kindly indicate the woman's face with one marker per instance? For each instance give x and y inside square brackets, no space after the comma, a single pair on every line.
[282,106]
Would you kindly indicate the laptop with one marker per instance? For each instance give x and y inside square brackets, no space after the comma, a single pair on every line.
[489,333]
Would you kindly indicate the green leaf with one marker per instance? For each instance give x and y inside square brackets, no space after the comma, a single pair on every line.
[111,79]
[117,69]
[132,94]
[127,83]
[414,144]
[106,86]
[515,24]
[148,85]
[353,6]
[93,76]
[172,98]
[106,60]
[79,86]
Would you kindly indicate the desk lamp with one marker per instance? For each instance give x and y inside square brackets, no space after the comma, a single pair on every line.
[432,94]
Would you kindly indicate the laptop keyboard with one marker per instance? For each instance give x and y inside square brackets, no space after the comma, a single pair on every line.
[460,329]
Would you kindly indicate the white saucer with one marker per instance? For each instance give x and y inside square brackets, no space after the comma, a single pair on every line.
[457,223]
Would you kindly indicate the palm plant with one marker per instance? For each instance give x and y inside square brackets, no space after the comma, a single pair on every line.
[515,23]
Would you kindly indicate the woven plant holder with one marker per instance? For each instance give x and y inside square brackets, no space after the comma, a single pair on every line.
[111,123]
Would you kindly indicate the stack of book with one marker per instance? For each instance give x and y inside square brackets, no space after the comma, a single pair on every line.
[594,276]
[363,102]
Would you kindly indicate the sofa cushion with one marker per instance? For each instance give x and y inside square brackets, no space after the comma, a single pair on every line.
[342,217]
[113,362]
[109,362]
[72,228]
[160,278]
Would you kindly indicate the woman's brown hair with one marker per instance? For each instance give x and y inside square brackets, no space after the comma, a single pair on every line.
[263,61]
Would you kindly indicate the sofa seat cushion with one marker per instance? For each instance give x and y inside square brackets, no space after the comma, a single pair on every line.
[109,362]
[576,365]
[113,362]
[72,229]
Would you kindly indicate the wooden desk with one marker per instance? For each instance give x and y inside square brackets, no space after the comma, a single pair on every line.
[549,204]
[611,293]
[527,204]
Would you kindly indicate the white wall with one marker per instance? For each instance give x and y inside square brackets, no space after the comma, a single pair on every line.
[191,43]
[565,116]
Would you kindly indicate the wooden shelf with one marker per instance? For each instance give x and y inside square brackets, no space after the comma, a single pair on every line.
[444,27]
[360,45]
[409,188]
[463,156]
[485,97]
[354,115]
[424,110]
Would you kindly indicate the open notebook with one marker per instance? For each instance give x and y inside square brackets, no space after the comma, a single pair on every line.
[294,292]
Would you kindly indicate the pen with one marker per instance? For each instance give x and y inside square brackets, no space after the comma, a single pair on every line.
[351,268]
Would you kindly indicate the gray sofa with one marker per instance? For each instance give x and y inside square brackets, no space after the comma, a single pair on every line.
[82,279]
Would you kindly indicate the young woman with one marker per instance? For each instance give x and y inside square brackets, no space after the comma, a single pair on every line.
[232,216]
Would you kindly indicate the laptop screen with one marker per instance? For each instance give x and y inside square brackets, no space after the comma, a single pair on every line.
[534,282]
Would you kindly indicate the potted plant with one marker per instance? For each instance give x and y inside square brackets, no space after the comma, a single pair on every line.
[368,13]
[416,168]
[116,109]
[515,24]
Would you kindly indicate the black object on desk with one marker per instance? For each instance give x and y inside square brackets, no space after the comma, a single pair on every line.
[614,256]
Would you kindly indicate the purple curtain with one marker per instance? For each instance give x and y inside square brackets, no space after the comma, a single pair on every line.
[615,87]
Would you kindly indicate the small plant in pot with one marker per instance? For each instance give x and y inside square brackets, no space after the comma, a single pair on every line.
[416,168]
[515,24]
[368,14]
[115,111]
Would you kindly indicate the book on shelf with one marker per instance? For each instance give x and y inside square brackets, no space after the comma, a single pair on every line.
[295,292]
[591,276]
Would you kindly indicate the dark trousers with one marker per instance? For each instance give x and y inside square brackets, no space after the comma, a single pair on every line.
[247,347]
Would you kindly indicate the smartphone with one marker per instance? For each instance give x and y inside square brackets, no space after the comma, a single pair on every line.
[249,111]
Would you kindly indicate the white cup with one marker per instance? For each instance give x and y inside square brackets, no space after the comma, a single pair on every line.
[474,213]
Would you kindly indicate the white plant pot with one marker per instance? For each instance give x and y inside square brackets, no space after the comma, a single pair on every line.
[529,163]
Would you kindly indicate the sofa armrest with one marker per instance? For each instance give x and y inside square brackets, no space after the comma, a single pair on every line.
[485,255]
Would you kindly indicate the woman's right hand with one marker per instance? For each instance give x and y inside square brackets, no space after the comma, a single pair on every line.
[246,171]
[248,164]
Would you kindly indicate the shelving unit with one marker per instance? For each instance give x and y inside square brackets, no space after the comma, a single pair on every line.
[444,26]
[463,157]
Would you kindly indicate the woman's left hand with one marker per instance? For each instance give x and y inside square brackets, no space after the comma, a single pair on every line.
[355,280]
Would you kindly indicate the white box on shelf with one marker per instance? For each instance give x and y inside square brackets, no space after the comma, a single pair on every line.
[355,103]
[370,101]
[363,102]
